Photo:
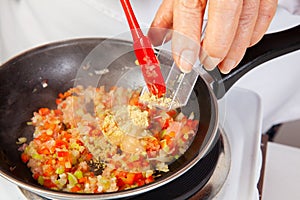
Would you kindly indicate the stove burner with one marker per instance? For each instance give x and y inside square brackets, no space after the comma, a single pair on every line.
[202,181]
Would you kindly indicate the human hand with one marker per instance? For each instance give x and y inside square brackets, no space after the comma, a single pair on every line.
[232,27]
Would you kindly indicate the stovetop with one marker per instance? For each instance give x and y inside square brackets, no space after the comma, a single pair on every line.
[240,120]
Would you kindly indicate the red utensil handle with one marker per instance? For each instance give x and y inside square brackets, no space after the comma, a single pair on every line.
[132,21]
[144,53]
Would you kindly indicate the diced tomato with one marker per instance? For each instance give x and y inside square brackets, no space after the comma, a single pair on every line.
[96,189]
[149,179]
[138,176]
[35,176]
[127,179]
[79,142]
[166,124]
[172,113]
[49,184]
[120,183]
[24,157]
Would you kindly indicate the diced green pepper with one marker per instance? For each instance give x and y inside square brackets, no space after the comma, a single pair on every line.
[41,180]
[165,146]
[37,156]
[78,174]
[60,170]
[72,179]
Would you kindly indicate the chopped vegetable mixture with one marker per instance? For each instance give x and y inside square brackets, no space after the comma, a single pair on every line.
[99,141]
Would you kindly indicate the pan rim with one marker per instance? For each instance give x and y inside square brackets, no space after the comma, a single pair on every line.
[213,128]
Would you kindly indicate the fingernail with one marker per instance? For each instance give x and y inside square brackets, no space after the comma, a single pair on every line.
[209,62]
[227,65]
[187,58]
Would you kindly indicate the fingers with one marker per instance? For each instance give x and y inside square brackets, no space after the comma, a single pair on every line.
[233,26]
[243,36]
[266,13]
[254,21]
[163,21]
[187,23]
[223,20]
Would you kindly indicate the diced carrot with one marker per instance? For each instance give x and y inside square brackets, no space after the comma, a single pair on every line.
[58,101]
[63,105]
[46,125]
[59,143]
[43,137]
[49,171]
[67,94]
[129,178]
[172,134]
[113,88]
[50,161]
[44,151]
[76,188]
[66,135]
[61,95]
[134,99]
[82,180]
[44,111]
[62,153]
[89,156]
[58,112]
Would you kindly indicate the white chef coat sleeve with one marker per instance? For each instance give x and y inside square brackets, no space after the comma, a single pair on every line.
[28,23]
[293,6]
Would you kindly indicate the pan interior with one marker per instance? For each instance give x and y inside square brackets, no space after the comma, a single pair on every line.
[120,69]
[33,80]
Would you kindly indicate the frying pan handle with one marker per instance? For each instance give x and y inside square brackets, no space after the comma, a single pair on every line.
[270,46]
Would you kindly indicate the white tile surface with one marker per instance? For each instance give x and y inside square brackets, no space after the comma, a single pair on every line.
[282,173]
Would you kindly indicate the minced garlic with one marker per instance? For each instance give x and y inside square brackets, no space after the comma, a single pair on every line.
[138,117]
[153,100]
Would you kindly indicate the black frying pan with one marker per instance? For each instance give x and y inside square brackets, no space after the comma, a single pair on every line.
[22,93]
